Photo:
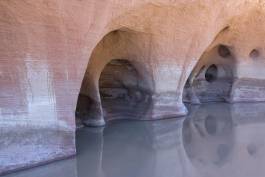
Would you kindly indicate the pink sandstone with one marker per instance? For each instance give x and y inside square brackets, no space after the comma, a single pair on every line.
[54,52]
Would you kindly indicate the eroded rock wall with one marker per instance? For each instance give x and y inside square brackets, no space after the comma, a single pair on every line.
[48,48]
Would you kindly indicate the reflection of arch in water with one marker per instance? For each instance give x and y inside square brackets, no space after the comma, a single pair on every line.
[145,149]
[208,136]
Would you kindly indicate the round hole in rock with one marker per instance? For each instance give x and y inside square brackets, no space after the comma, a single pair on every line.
[254,53]
[211,73]
[224,51]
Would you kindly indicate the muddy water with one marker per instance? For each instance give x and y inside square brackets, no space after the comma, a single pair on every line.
[214,140]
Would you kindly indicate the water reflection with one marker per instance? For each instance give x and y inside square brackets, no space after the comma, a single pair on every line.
[224,140]
[213,141]
[209,137]
[131,148]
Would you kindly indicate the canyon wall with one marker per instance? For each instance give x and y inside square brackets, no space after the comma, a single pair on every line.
[52,54]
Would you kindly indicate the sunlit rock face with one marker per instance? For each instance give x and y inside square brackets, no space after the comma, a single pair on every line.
[53,54]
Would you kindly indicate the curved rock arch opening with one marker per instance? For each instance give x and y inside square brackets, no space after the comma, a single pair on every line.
[123,91]
[212,78]
[116,81]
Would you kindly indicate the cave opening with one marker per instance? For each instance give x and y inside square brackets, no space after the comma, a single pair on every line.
[212,78]
[117,84]
[122,90]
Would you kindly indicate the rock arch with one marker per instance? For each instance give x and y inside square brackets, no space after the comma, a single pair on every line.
[212,78]
[118,44]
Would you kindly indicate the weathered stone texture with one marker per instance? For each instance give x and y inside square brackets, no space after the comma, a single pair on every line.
[53,51]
